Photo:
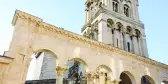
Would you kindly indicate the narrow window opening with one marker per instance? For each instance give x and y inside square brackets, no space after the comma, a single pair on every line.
[126,10]
[115,5]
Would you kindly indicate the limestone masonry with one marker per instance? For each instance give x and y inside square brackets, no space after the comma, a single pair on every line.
[111,49]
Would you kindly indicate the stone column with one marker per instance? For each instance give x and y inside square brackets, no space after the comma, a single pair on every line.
[60,72]
[145,50]
[89,78]
[140,46]
[135,47]
[125,42]
[135,42]
[96,79]
[87,14]
[114,38]
[102,78]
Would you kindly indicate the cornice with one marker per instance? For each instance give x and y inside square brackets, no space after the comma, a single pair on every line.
[100,45]
[23,15]
[5,60]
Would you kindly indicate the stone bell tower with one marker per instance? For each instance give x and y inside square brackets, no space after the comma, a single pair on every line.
[116,23]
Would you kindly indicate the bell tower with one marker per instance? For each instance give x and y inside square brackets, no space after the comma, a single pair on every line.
[116,23]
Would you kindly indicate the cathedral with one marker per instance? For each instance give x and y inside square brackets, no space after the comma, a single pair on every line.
[111,49]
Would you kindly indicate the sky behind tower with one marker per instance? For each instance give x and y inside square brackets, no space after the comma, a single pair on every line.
[70,15]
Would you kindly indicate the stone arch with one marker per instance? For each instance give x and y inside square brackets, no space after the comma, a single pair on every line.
[128,30]
[79,60]
[105,73]
[77,69]
[42,59]
[137,32]
[119,26]
[105,67]
[147,80]
[46,50]
[129,76]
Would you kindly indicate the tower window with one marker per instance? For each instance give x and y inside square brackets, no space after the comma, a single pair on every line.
[115,5]
[126,10]
[128,44]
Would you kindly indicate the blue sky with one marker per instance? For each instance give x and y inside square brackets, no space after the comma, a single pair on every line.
[70,15]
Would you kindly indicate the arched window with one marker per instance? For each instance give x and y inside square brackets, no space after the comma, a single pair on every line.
[128,30]
[138,33]
[115,5]
[126,10]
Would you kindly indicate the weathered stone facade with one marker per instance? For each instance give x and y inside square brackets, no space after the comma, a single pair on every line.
[104,64]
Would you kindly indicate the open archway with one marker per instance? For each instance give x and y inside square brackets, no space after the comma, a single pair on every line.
[42,66]
[127,78]
[105,74]
[147,80]
[76,72]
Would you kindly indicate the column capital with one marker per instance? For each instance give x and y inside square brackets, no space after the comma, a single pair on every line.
[115,81]
[60,70]
[89,75]
[96,75]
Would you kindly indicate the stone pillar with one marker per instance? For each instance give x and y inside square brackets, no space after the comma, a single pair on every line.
[125,42]
[102,78]
[145,50]
[140,46]
[135,44]
[60,72]
[89,78]
[96,79]
[114,38]
[87,14]
[122,40]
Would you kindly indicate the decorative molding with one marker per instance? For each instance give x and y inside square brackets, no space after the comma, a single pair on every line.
[4,59]
[23,15]
[50,28]
[60,70]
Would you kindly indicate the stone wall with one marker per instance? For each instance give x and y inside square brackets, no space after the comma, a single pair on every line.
[4,64]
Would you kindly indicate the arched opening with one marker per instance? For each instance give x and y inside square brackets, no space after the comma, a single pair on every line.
[76,72]
[164,82]
[126,10]
[105,74]
[119,35]
[147,80]
[129,39]
[127,78]
[115,5]
[138,34]
[42,67]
